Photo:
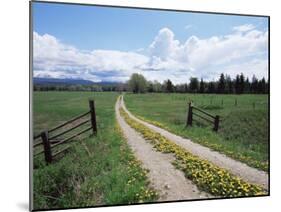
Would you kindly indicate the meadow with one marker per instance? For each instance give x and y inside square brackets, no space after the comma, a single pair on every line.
[102,170]
[243,131]
[97,170]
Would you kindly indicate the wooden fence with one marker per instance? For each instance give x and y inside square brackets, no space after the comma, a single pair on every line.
[214,119]
[50,142]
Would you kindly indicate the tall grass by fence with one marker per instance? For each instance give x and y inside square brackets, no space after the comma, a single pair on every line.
[50,142]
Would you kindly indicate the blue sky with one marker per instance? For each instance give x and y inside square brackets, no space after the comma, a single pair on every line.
[87,41]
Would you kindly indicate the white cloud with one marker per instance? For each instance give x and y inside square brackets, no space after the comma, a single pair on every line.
[164,58]
[52,58]
[217,50]
[197,56]
[243,28]
[253,67]
[164,45]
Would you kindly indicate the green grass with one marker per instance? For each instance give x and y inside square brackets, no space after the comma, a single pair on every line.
[205,175]
[243,132]
[97,170]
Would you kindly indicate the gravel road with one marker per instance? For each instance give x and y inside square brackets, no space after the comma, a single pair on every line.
[169,182]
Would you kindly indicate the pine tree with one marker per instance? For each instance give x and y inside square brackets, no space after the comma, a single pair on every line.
[211,87]
[247,86]
[194,84]
[254,84]
[221,84]
[229,84]
[242,83]
[202,86]
[237,84]
[263,85]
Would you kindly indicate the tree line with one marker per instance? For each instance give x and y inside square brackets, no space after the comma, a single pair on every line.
[138,84]
[77,87]
[224,85]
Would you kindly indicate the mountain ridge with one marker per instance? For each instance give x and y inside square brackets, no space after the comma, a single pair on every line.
[68,81]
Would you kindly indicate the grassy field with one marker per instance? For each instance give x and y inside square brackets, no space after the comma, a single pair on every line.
[243,132]
[97,170]
[102,170]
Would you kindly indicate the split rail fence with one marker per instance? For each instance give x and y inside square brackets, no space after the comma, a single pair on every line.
[50,142]
[195,111]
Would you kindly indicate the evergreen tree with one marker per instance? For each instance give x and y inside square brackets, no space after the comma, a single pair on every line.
[221,84]
[241,83]
[247,86]
[229,84]
[263,85]
[254,84]
[211,87]
[267,87]
[202,86]
[194,84]
[237,84]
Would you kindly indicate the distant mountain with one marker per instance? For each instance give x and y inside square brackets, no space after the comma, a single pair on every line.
[67,81]
[37,80]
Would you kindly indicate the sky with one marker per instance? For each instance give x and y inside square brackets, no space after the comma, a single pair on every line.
[109,44]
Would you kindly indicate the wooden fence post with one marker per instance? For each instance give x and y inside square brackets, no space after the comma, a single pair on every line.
[216,123]
[93,116]
[47,146]
[189,115]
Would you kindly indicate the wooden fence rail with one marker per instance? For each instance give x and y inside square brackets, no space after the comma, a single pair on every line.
[214,119]
[49,142]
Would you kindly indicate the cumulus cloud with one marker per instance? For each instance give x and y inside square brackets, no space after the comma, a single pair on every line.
[197,56]
[52,58]
[244,50]
[216,50]
[164,45]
